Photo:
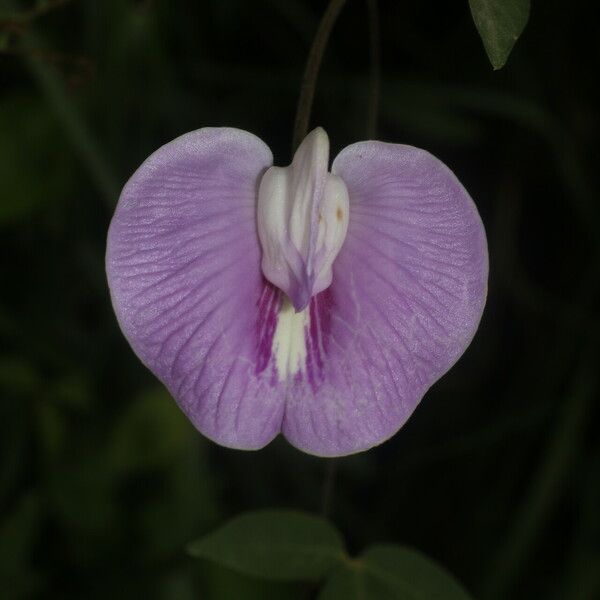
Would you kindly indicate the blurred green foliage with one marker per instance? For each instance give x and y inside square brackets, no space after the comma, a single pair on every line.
[103,483]
[392,572]
[288,545]
[282,545]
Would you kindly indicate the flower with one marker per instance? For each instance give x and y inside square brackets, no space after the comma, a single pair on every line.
[320,305]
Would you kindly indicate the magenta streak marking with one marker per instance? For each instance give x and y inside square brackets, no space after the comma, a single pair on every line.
[316,335]
[326,302]
[312,346]
[264,306]
[314,331]
[267,309]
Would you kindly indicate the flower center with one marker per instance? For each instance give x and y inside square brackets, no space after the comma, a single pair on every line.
[289,340]
[302,221]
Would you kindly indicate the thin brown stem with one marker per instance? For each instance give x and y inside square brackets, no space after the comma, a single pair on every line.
[328,485]
[311,72]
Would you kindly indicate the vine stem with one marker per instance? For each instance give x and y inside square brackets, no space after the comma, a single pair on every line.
[313,66]
[328,485]
[311,71]
[301,124]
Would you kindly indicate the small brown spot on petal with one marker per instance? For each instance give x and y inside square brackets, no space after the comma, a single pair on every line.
[339,214]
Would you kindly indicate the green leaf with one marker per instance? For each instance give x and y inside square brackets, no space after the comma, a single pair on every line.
[388,572]
[500,23]
[220,582]
[280,545]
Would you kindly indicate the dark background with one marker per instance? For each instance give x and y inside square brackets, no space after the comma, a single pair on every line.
[103,481]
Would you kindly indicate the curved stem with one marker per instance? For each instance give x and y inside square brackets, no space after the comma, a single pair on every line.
[311,71]
[375,56]
[328,485]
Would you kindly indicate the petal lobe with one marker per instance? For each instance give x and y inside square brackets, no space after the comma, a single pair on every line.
[183,266]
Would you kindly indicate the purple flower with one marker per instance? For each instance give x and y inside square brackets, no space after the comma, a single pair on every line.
[320,305]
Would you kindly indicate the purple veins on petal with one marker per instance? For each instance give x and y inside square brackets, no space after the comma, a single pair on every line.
[183,266]
[268,308]
[389,254]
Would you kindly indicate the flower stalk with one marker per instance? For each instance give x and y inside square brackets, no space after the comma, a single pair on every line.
[311,71]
